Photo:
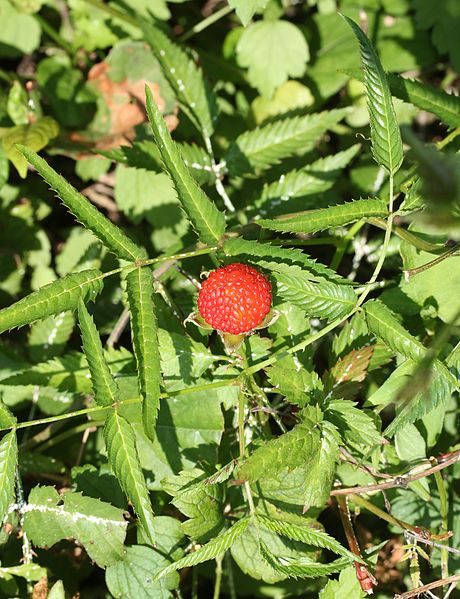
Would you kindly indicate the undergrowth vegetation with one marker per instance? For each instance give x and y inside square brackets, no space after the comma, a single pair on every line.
[143,456]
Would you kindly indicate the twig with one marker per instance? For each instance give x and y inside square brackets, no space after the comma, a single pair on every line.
[404,480]
[410,272]
[428,587]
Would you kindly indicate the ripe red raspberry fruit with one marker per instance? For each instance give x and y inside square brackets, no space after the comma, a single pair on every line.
[235,298]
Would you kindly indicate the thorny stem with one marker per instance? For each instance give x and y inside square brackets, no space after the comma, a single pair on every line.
[403,480]
[444,518]
[418,269]
[242,445]
[427,587]
[26,548]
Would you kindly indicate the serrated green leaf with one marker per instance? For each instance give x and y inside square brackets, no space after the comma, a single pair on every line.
[306,534]
[268,256]
[133,576]
[58,296]
[310,180]
[346,587]
[139,288]
[34,135]
[111,236]
[321,299]
[7,418]
[217,546]
[186,79]
[98,526]
[268,145]
[207,220]
[200,502]
[299,385]
[302,567]
[426,97]
[105,389]
[8,463]
[355,426]
[387,146]
[291,450]
[312,221]
[123,458]
[246,9]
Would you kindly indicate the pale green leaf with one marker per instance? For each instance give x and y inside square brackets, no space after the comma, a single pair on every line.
[34,135]
[269,144]
[322,299]
[132,577]
[312,221]
[123,458]
[346,587]
[20,33]
[111,236]
[387,146]
[208,222]
[186,79]
[58,296]
[139,288]
[30,572]
[246,9]
[57,591]
[319,474]
[217,546]
[105,389]
[272,51]
[305,534]
[98,526]
[302,567]
[8,463]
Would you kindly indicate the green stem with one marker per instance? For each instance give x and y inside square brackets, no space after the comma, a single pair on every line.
[383,515]
[444,518]
[418,269]
[218,581]
[205,23]
[444,142]
[54,35]
[386,241]
[411,238]
[81,428]
[343,245]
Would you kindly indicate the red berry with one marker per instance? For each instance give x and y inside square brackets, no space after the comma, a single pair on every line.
[235,298]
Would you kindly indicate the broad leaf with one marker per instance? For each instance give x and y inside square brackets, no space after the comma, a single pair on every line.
[58,296]
[111,236]
[312,221]
[186,79]
[268,145]
[322,299]
[98,526]
[272,50]
[139,288]
[106,391]
[123,458]
[385,136]
[217,546]
[200,502]
[34,136]
[246,9]
[346,587]
[133,576]
[208,222]
[355,426]
[299,385]
[8,463]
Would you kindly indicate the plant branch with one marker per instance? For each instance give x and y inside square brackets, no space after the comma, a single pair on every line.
[405,479]
[428,587]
